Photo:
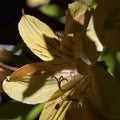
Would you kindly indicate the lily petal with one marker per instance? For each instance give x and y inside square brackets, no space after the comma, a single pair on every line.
[37,82]
[64,108]
[109,89]
[39,37]
[91,44]
[74,24]
[80,39]
[107,19]
[76,12]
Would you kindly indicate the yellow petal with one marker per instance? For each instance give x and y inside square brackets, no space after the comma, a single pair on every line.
[110,91]
[61,109]
[107,19]
[55,110]
[90,112]
[76,13]
[37,82]
[80,39]
[74,24]
[92,46]
[70,108]
[39,37]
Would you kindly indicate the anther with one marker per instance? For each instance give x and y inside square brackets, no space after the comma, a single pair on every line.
[57,106]
[8,78]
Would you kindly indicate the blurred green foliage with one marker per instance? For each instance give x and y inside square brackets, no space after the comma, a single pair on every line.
[19,111]
[52,10]
[112,60]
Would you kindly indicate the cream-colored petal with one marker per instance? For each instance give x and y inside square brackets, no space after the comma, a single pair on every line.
[37,82]
[75,14]
[107,19]
[109,89]
[39,37]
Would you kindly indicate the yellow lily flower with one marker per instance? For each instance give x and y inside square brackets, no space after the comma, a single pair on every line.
[69,77]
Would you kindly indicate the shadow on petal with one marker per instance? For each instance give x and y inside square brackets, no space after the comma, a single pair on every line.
[106,22]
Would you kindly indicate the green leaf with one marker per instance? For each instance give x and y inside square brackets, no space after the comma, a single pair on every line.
[35,111]
[112,60]
[52,10]
[19,111]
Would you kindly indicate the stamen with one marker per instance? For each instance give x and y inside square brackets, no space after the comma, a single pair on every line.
[64,97]
[60,80]
[80,105]
[76,100]
[70,98]
[57,106]
[72,75]
[8,78]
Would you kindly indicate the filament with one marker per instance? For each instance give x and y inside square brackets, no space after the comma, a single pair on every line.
[60,80]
